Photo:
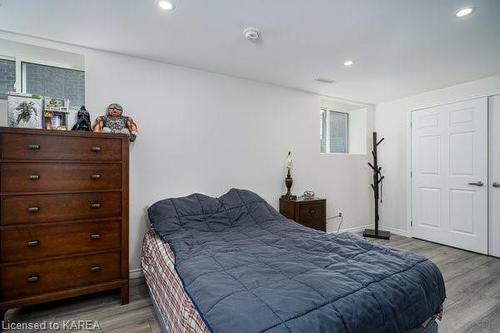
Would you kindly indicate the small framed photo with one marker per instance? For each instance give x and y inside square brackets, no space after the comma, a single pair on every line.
[55,120]
[24,112]
[56,104]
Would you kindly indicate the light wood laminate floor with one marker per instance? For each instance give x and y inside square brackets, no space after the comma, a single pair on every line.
[472,284]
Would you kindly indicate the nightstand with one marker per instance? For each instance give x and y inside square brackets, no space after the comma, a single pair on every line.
[308,212]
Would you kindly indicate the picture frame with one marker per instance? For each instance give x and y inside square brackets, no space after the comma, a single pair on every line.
[56,104]
[24,111]
[56,112]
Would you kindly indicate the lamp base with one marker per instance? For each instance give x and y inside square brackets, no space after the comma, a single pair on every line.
[380,235]
[289,197]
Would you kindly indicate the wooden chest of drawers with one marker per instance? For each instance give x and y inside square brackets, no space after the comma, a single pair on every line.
[63,215]
[308,212]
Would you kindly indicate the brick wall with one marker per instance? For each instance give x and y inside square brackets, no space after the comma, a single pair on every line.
[7,77]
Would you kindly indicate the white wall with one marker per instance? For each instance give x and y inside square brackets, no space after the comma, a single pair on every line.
[392,121]
[357,131]
[203,132]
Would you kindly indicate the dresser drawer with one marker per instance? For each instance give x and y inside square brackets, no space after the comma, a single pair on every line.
[60,274]
[24,209]
[45,177]
[55,147]
[24,243]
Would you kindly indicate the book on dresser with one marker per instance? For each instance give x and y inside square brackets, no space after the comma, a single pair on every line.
[63,215]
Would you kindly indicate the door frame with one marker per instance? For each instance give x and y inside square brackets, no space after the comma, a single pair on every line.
[409,151]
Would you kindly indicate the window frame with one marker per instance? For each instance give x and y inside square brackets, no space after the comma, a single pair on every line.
[325,131]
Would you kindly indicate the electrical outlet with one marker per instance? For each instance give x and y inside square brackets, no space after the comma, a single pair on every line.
[339,212]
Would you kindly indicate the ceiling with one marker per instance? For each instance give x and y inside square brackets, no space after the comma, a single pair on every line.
[400,48]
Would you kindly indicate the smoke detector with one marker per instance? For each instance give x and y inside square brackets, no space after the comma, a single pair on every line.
[251,34]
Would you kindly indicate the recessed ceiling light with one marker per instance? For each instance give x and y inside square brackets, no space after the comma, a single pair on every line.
[167,5]
[348,63]
[463,12]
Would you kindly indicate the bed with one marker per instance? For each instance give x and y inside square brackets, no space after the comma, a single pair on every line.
[233,264]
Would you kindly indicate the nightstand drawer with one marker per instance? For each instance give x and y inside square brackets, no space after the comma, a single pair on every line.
[308,212]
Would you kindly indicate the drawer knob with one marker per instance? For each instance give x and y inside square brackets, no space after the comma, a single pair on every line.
[95,176]
[95,149]
[33,147]
[312,211]
[34,177]
[33,243]
[95,236]
[95,269]
[95,205]
[33,209]
[33,278]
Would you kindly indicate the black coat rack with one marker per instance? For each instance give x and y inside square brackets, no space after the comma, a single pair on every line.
[377,184]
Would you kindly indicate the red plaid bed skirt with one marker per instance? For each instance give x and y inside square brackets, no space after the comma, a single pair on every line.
[174,305]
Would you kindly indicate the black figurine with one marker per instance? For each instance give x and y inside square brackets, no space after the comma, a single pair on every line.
[82,120]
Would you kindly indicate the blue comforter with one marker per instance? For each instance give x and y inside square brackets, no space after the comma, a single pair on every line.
[249,269]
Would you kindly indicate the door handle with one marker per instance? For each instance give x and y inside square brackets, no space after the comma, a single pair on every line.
[496,184]
[479,183]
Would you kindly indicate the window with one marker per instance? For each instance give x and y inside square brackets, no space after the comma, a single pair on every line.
[32,69]
[334,132]
[7,76]
[54,82]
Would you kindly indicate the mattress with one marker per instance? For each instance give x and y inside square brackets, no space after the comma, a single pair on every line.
[239,260]
[176,313]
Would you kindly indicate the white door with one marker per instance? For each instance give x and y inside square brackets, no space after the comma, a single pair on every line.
[494,176]
[449,174]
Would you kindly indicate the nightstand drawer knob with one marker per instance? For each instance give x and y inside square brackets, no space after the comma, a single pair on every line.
[95,176]
[33,278]
[95,236]
[312,211]
[33,147]
[34,177]
[95,149]
[95,205]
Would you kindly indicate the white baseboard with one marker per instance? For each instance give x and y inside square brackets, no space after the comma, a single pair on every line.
[135,273]
[352,229]
[395,231]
